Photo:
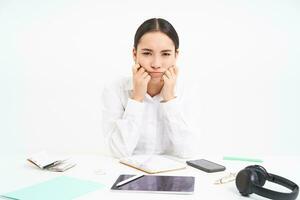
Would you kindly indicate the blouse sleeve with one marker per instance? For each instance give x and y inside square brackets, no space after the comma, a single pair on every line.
[120,124]
[177,127]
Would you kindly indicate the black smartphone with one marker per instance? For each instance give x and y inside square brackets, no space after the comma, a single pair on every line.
[206,165]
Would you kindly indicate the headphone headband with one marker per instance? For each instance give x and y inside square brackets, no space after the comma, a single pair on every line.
[278,195]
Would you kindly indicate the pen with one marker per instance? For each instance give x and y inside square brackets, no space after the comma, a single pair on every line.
[242,159]
[52,164]
[129,180]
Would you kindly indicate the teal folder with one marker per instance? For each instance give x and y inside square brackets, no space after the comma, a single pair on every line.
[60,188]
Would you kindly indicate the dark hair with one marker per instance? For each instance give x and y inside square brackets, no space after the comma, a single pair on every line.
[156,24]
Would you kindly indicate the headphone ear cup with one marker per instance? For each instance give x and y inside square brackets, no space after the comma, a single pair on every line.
[260,173]
[244,181]
[262,176]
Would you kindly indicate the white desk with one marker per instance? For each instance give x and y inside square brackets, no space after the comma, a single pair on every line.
[17,173]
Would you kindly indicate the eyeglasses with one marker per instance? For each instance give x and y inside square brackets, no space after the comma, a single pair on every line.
[226,179]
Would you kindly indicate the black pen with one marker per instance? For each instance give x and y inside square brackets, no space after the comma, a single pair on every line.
[52,164]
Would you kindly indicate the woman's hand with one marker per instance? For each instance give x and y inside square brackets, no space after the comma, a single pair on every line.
[170,77]
[140,82]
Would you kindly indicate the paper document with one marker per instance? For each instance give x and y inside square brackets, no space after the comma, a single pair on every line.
[60,188]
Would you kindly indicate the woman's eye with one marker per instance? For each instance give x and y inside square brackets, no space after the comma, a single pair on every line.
[166,54]
[146,53]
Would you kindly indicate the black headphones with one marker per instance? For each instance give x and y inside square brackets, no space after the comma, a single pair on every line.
[252,179]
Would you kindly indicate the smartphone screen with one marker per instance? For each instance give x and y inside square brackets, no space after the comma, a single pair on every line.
[206,165]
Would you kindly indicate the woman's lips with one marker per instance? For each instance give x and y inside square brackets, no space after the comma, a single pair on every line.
[156,74]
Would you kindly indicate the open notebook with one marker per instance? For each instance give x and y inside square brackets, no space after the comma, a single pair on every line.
[153,163]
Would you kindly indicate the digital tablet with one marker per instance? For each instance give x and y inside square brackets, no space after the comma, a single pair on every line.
[157,184]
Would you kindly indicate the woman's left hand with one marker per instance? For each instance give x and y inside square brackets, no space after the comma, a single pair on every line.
[170,77]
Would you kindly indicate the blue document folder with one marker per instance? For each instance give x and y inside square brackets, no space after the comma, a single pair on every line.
[60,188]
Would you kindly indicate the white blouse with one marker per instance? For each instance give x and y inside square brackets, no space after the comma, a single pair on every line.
[149,127]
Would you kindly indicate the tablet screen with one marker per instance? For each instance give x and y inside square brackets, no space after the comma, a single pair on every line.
[153,183]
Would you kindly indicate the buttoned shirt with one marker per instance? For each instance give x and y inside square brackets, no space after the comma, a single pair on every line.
[149,127]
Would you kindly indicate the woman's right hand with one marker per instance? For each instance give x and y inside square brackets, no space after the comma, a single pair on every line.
[140,82]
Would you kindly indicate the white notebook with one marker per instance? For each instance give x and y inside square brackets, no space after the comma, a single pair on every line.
[53,163]
[153,163]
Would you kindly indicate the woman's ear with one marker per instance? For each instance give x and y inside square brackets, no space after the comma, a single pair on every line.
[176,53]
[134,55]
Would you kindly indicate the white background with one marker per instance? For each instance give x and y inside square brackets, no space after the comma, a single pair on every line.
[241,56]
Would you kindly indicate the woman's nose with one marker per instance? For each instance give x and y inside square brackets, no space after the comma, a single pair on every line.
[156,63]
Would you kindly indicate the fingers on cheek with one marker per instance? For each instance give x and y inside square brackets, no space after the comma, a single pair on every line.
[145,74]
[171,74]
[148,77]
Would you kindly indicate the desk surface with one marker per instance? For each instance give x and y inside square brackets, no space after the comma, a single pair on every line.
[17,173]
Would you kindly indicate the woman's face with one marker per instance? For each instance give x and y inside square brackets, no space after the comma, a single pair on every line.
[156,53]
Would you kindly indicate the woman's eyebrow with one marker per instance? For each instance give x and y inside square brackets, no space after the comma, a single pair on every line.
[145,49]
[163,51]
[166,50]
